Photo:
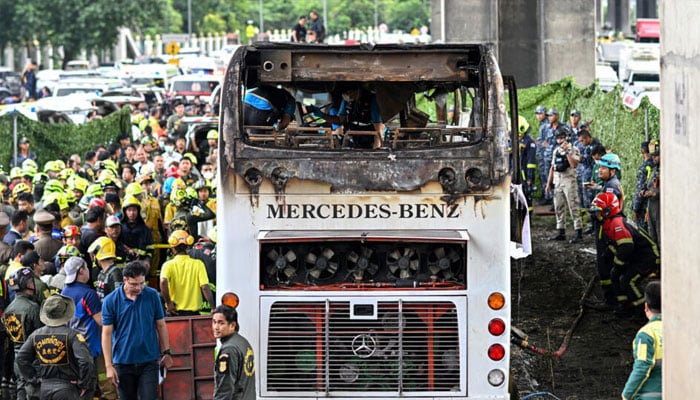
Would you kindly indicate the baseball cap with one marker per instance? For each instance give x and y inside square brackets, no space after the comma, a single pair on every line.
[23,140]
[112,220]
[552,111]
[575,112]
[540,110]
[71,268]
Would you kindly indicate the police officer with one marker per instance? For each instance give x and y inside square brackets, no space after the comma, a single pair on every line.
[46,245]
[584,171]
[545,145]
[234,370]
[639,202]
[633,252]
[21,318]
[528,164]
[60,354]
[562,174]
[652,192]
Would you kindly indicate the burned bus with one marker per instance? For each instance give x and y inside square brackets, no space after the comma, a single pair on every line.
[370,272]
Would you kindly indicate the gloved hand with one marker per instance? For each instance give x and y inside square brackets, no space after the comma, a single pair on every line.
[315,111]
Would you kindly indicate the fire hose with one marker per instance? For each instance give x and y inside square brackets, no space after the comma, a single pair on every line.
[519,338]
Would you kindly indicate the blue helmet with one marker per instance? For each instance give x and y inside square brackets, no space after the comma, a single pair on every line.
[611,160]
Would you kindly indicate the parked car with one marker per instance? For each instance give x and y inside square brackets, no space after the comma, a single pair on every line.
[10,84]
[606,76]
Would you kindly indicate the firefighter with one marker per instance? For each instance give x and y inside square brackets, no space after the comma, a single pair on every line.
[652,193]
[634,253]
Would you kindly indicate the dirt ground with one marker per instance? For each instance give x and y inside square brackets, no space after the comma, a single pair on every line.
[547,289]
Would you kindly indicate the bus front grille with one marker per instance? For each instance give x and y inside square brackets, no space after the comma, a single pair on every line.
[385,346]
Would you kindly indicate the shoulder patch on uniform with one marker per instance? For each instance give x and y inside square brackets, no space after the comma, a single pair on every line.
[222,364]
[81,337]
[618,229]
[249,362]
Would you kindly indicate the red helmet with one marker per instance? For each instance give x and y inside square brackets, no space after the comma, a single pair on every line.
[97,202]
[71,231]
[172,171]
[607,203]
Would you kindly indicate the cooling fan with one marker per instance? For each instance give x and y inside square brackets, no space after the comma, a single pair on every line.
[444,263]
[281,266]
[403,262]
[321,264]
[362,265]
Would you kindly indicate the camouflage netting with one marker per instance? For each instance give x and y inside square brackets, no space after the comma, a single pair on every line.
[618,128]
[52,141]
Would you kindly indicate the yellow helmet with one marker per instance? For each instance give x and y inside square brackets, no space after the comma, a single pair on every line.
[53,186]
[178,197]
[103,248]
[523,125]
[178,183]
[29,163]
[130,201]
[29,171]
[15,173]
[133,189]
[58,198]
[213,134]
[21,187]
[77,182]
[60,164]
[66,173]
[179,237]
[94,190]
[51,166]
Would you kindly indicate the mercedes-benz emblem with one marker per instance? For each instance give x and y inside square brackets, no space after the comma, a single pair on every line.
[364,345]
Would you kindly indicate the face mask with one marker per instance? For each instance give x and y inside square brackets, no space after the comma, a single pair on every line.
[169,149]
[161,145]
[208,175]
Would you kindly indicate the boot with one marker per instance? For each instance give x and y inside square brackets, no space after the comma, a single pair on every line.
[559,236]
[577,237]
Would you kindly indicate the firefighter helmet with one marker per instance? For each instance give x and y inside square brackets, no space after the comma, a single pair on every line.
[607,203]
[133,189]
[21,187]
[16,173]
[53,186]
[180,237]
[178,197]
[213,134]
[611,160]
[94,190]
[103,248]
[40,178]
[523,125]
[131,201]
[67,251]
[71,231]
[654,147]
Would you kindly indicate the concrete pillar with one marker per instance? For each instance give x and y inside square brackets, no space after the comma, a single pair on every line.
[193,41]
[462,21]
[647,9]
[619,16]
[680,275]
[147,45]
[159,46]
[9,56]
[521,42]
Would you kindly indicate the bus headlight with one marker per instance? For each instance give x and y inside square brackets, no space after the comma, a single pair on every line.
[496,377]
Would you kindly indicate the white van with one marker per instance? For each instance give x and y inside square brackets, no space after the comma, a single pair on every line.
[189,86]
[150,75]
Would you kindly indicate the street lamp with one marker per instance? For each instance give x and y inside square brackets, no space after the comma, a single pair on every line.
[189,19]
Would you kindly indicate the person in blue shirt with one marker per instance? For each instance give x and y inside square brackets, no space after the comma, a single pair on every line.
[268,106]
[358,111]
[134,335]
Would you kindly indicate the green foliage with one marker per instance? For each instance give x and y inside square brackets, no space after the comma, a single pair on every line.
[212,23]
[408,14]
[53,141]
[619,129]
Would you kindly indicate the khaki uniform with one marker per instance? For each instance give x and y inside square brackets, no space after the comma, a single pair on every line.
[565,189]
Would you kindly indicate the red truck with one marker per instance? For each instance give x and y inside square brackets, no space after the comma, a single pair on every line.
[648,30]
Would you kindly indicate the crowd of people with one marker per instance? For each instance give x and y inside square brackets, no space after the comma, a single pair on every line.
[119,238]
[582,178]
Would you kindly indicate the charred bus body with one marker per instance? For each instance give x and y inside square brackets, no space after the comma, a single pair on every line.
[380,273]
